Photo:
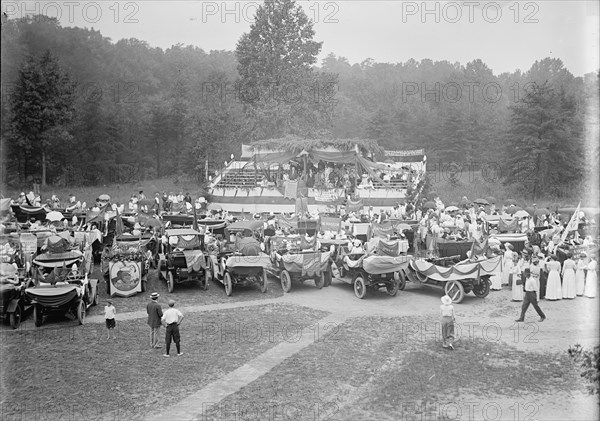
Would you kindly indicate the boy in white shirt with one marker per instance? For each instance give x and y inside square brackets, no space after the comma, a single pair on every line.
[110,313]
[447,320]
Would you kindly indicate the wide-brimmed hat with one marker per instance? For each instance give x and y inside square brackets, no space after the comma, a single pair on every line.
[509,246]
[446,300]
[357,243]
[155,295]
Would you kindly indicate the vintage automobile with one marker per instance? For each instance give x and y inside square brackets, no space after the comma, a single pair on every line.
[454,276]
[125,265]
[378,267]
[294,258]
[13,280]
[182,258]
[241,259]
[14,301]
[60,287]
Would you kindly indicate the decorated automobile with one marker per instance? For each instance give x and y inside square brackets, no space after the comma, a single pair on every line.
[125,265]
[183,258]
[376,267]
[241,259]
[454,276]
[59,286]
[296,258]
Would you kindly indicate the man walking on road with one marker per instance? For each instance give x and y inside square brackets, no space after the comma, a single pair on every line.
[155,314]
[532,287]
[171,319]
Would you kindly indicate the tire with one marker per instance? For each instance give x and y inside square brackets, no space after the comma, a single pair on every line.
[482,289]
[320,281]
[228,284]
[264,279]
[96,298]
[455,290]
[170,282]
[37,315]
[328,278]
[360,287]
[15,318]
[286,281]
[401,280]
[81,312]
[393,286]
[144,283]
[208,274]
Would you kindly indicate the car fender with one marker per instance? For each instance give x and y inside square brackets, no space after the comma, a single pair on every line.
[12,305]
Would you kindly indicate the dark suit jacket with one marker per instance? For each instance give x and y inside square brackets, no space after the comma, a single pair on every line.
[154,314]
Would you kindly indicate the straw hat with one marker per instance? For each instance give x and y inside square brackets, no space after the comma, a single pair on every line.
[446,300]
[155,295]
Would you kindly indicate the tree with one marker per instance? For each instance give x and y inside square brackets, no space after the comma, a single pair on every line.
[278,87]
[42,107]
[545,147]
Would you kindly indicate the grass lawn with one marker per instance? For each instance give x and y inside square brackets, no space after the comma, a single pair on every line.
[77,376]
[365,371]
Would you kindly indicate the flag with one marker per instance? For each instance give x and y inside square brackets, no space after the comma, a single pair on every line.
[572,225]
[479,248]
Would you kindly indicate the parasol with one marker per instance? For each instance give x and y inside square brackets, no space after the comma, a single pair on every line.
[481,202]
[491,199]
[104,197]
[54,216]
[429,205]
[510,202]
[530,210]
[521,214]
[542,211]
[214,206]
[452,208]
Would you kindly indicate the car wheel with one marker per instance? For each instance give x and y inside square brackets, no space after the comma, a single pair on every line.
[401,280]
[81,312]
[37,315]
[228,284]
[360,288]
[15,318]
[320,280]
[170,282]
[263,284]
[455,290]
[328,277]
[208,274]
[286,281]
[393,286]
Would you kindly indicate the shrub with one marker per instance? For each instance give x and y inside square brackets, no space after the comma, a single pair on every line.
[590,365]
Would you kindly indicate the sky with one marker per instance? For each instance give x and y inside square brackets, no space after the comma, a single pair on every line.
[506,34]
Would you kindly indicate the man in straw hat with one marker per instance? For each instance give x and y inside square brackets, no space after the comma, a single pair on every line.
[531,289]
[172,319]
[155,314]
[447,321]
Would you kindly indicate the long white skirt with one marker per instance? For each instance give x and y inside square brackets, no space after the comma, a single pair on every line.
[569,289]
[496,282]
[579,281]
[553,286]
[516,294]
[591,284]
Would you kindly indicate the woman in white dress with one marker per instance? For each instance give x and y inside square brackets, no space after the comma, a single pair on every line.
[591,278]
[553,286]
[580,274]
[507,263]
[517,267]
[568,274]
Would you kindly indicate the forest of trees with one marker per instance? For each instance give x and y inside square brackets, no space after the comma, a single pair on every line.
[79,109]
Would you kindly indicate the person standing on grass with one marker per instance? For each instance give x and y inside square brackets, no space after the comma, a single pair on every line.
[171,320]
[110,314]
[532,286]
[155,314]
[447,314]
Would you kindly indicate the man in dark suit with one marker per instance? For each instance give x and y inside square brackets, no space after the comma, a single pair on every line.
[155,314]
